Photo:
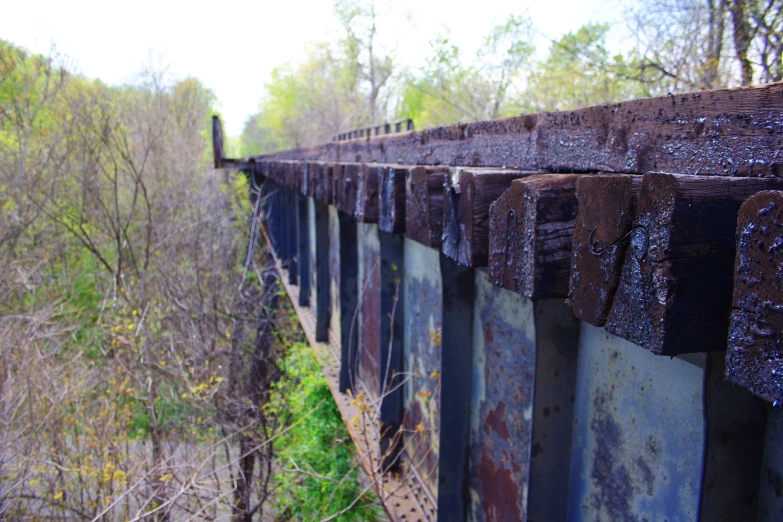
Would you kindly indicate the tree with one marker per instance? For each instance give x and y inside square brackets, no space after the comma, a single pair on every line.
[579,71]
[448,90]
[705,44]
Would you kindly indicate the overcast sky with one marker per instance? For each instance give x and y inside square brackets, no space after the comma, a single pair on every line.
[232,46]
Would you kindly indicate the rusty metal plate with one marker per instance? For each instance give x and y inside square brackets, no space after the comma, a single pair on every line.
[369,308]
[639,435]
[422,353]
[504,358]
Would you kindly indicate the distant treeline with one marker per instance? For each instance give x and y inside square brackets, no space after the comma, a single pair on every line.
[680,45]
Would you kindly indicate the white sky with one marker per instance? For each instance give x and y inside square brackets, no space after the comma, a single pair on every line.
[232,45]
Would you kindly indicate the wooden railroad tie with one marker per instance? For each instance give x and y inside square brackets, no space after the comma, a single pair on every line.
[753,360]
[531,226]
[602,231]
[675,289]
[467,196]
[391,181]
[345,185]
[367,200]
[424,205]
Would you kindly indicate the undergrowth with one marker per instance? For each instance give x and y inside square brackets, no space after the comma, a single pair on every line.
[317,474]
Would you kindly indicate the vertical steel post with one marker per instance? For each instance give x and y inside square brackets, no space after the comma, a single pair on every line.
[292,226]
[349,294]
[456,390]
[368,355]
[391,333]
[303,248]
[557,344]
[323,301]
[735,422]
[770,501]
[270,211]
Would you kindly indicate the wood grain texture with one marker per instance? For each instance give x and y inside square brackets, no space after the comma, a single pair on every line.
[392,198]
[367,200]
[754,359]
[607,207]
[676,284]
[424,205]
[531,226]
[721,132]
[467,196]
[310,177]
[324,184]
[346,182]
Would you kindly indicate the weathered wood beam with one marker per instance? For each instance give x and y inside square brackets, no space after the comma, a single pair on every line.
[310,178]
[424,205]
[755,358]
[722,132]
[295,175]
[467,196]
[367,193]
[324,182]
[392,199]
[675,289]
[275,171]
[346,181]
[607,207]
[531,227]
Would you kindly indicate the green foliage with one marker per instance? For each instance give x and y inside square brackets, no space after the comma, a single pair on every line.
[317,443]
[448,90]
[579,71]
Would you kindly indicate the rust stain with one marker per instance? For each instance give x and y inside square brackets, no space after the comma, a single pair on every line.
[488,332]
[496,420]
[501,503]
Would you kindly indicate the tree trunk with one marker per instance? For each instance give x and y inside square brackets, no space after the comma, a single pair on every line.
[742,38]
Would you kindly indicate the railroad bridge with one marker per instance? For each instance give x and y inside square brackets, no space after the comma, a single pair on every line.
[561,316]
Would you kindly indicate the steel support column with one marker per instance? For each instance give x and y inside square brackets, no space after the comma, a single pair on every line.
[456,390]
[368,354]
[391,339]
[323,281]
[292,227]
[303,238]
[349,300]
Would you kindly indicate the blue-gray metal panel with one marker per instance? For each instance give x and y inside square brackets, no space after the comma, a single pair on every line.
[638,446]
[292,227]
[334,271]
[303,248]
[311,226]
[422,349]
[369,355]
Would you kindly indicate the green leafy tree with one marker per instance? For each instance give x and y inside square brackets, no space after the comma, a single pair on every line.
[579,72]
[448,90]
